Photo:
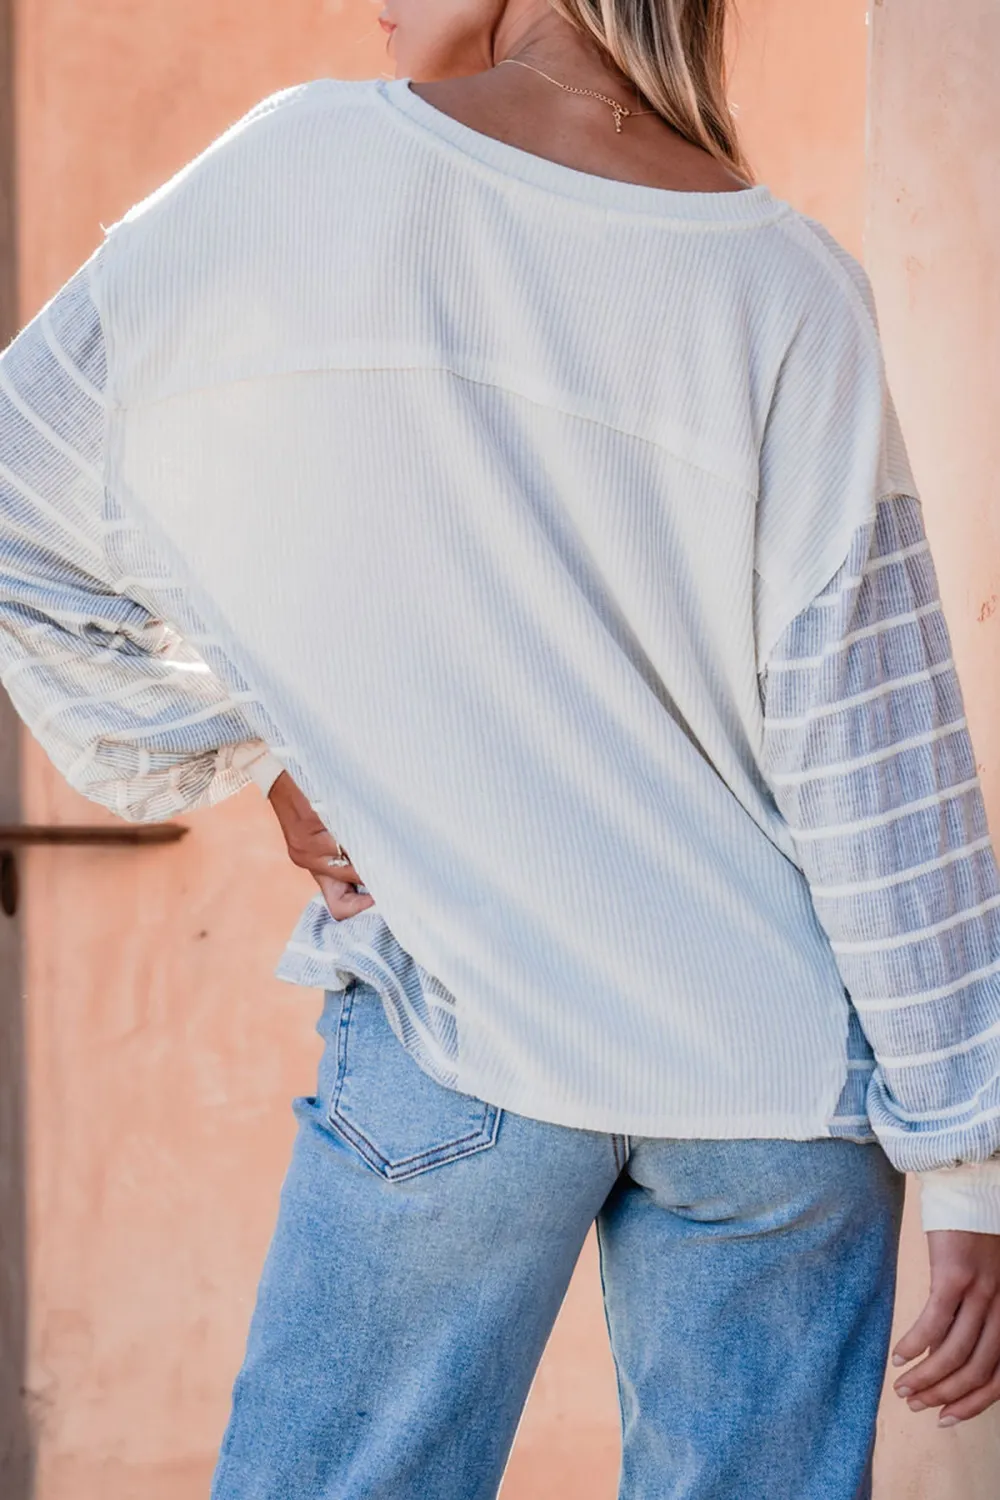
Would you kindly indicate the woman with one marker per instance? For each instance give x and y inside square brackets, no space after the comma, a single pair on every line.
[482,464]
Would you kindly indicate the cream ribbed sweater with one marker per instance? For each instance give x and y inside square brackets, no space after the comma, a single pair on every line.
[557,534]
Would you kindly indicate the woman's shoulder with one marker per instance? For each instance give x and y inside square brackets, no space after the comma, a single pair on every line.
[317,94]
[264,142]
[831,282]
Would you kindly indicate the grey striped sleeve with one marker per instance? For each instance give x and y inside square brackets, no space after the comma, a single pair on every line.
[129,712]
[867,752]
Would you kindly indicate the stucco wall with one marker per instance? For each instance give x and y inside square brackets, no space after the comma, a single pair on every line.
[933,224]
[162,1055]
[14,1447]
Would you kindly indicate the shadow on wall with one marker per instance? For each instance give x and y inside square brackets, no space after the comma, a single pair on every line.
[16,1461]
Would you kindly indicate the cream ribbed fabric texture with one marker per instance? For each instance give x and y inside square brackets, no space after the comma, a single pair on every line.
[496,502]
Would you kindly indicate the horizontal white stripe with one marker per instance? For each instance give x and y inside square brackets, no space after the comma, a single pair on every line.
[900,877]
[57,517]
[44,664]
[918,934]
[59,354]
[873,758]
[951,1112]
[874,565]
[47,590]
[957,1049]
[393,984]
[39,628]
[306,950]
[51,437]
[167,775]
[56,618]
[926,997]
[133,735]
[880,820]
[214,710]
[77,768]
[66,705]
[162,681]
[910,617]
[824,710]
[980,1119]
[12,531]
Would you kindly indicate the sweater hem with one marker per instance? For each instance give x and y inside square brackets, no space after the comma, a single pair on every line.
[776,1126]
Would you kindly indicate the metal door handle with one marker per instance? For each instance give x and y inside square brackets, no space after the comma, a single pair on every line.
[68,833]
[15,834]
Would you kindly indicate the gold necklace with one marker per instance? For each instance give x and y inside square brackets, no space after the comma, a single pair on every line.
[620,110]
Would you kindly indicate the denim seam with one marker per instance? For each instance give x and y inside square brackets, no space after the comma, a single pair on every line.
[420,1161]
[611,1338]
[412,1166]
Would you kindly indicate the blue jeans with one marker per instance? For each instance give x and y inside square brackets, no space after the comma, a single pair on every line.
[424,1244]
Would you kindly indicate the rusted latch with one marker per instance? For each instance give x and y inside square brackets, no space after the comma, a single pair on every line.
[14,835]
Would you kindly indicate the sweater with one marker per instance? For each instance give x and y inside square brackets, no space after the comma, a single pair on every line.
[558,536]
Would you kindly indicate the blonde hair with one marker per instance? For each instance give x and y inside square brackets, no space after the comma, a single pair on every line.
[673,51]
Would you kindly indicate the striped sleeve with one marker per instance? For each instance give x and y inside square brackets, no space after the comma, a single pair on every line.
[124,706]
[868,755]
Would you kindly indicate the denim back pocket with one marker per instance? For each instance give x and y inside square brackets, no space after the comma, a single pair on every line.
[398,1119]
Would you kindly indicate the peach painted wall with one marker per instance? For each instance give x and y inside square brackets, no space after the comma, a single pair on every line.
[932,230]
[162,1055]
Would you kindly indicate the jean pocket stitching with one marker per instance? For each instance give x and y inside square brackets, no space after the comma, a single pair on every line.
[440,1154]
[483,1133]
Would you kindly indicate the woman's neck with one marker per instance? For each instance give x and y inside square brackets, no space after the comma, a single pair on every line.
[522,109]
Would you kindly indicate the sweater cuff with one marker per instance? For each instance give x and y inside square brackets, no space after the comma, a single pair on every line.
[259,764]
[964,1197]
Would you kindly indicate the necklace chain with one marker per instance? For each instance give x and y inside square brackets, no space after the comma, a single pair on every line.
[620,110]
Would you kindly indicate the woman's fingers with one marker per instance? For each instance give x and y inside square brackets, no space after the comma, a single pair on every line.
[310,843]
[311,846]
[342,901]
[970,1374]
[950,1354]
[320,854]
[931,1328]
[319,863]
[971,1405]
[960,1325]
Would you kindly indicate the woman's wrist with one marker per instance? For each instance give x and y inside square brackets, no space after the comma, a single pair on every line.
[964,1197]
[266,771]
[256,760]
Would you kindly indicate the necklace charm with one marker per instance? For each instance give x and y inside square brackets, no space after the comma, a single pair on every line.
[620,110]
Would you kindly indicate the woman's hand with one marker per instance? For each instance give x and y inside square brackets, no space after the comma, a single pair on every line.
[960,1326]
[313,848]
